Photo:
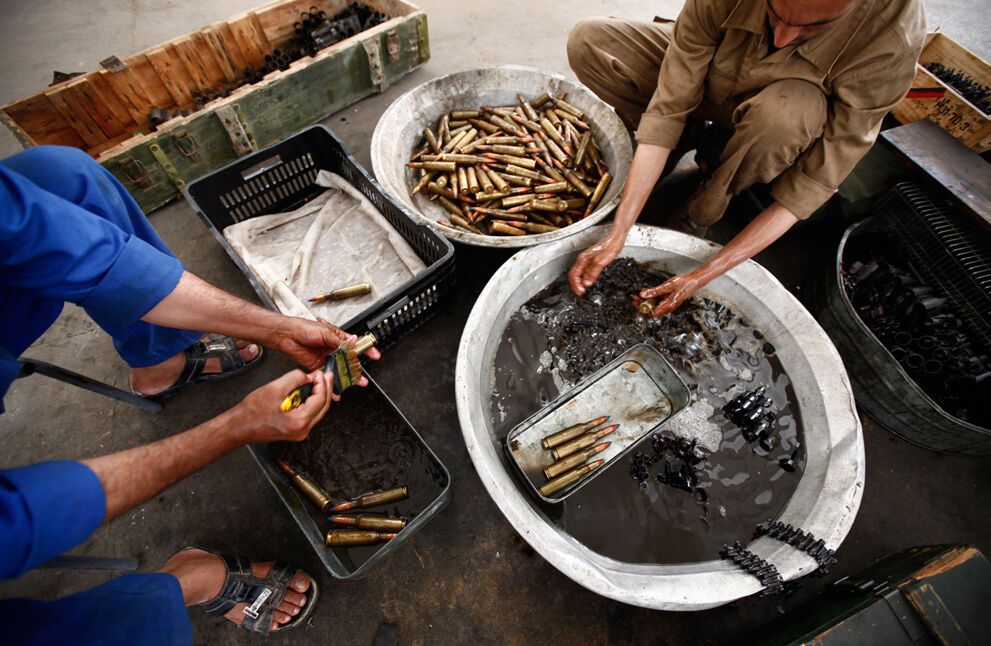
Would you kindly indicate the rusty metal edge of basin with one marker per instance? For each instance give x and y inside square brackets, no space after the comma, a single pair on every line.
[828,495]
[668,383]
[398,131]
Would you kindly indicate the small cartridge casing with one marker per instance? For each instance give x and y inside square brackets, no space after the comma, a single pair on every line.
[570,433]
[600,190]
[344,537]
[506,229]
[307,487]
[473,184]
[431,140]
[573,461]
[566,479]
[465,114]
[433,165]
[534,227]
[364,343]
[373,499]
[361,289]
[463,188]
[515,200]
[484,125]
[370,521]
[522,162]
[576,181]
[582,442]
[556,187]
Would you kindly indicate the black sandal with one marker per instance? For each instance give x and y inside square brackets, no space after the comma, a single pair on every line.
[224,348]
[262,596]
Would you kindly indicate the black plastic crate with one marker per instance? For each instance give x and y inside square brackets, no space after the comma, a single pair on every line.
[364,444]
[281,178]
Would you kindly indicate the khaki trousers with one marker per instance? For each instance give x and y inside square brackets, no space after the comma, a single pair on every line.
[620,61]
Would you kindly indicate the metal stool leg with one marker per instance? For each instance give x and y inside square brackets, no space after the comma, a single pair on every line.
[32,366]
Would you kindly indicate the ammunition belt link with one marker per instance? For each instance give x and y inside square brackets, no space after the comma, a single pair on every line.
[765,572]
[816,548]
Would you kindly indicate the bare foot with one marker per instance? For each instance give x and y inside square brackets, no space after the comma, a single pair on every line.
[201,576]
[155,379]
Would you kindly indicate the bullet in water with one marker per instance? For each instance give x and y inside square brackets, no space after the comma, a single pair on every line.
[570,433]
[349,537]
[373,499]
[370,521]
[582,442]
[573,461]
[307,487]
[557,484]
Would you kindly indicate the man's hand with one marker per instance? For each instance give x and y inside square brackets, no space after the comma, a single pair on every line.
[309,342]
[671,293]
[590,263]
[260,419]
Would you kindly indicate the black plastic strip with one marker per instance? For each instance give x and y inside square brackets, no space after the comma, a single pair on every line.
[816,548]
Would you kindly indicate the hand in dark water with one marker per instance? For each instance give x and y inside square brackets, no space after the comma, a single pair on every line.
[671,293]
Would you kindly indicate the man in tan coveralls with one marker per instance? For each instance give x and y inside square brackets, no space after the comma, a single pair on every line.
[803,84]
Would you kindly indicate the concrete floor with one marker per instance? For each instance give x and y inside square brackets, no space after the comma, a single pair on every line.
[467,577]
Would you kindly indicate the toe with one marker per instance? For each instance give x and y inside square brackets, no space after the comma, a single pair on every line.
[295,599]
[279,617]
[300,582]
[289,609]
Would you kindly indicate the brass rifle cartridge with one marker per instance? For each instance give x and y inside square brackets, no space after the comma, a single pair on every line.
[556,187]
[433,165]
[451,207]
[552,132]
[473,184]
[370,521]
[574,203]
[550,170]
[527,108]
[444,130]
[427,176]
[515,200]
[600,190]
[463,188]
[372,499]
[582,148]
[572,461]
[570,433]
[345,537]
[506,229]
[307,487]
[458,158]
[575,181]
[567,107]
[436,189]
[541,100]
[484,125]
[533,227]
[524,172]
[350,291]
[557,484]
[465,114]
[428,135]
[488,186]
[467,140]
[554,206]
[521,162]
[582,442]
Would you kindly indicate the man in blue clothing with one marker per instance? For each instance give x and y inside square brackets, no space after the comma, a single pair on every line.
[70,232]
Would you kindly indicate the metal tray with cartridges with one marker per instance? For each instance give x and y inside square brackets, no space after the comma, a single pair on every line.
[639,390]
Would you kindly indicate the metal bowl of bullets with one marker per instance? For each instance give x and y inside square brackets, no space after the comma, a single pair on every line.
[828,494]
[503,157]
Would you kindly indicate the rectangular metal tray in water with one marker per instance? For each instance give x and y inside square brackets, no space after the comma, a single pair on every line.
[628,390]
[363,445]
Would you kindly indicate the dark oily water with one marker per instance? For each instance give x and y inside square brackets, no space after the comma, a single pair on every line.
[364,445]
[555,339]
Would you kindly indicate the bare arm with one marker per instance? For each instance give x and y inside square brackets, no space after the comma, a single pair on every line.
[195,304]
[648,163]
[130,477]
[767,227]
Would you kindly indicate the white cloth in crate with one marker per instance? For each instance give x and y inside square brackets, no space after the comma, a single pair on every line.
[337,239]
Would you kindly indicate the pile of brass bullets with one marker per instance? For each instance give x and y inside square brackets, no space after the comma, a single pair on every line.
[512,170]
[572,448]
[368,528]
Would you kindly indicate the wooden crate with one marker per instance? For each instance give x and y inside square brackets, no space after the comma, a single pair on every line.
[952,112]
[106,112]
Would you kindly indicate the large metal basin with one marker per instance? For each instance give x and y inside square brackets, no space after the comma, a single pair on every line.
[828,494]
[399,131]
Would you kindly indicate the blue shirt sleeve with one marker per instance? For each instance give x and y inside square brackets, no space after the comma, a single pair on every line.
[45,510]
[56,249]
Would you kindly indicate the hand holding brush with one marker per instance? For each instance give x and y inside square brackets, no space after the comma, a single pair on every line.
[345,366]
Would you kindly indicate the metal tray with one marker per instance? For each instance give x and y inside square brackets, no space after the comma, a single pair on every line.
[364,444]
[627,389]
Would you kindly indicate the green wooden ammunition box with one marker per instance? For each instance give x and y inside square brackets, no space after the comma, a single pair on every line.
[925,595]
[106,112]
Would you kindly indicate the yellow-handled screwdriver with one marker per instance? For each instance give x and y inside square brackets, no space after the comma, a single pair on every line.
[345,363]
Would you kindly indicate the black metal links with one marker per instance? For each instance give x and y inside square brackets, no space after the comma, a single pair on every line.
[816,548]
[765,572]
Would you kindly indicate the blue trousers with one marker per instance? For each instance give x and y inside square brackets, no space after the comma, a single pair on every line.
[131,609]
[71,175]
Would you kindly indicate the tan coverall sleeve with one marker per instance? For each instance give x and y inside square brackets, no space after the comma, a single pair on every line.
[681,80]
